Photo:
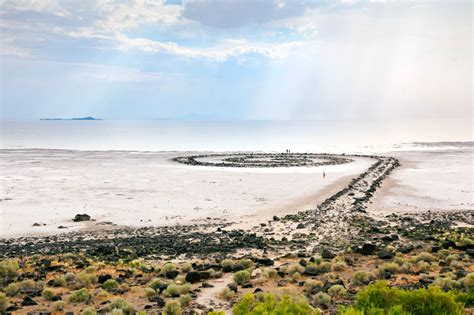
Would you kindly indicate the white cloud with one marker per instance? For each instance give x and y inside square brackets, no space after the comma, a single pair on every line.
[230,48]
[8,48]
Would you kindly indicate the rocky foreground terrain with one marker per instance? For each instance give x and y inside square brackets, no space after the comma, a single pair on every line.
[319,258]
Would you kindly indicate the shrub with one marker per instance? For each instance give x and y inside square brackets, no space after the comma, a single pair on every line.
[155,284]
[445,283]
[424,256]
[168,267]
[456,264]
[90,269]
[226,294]
[399,260]
[176,290]
[216,313]
[89,311]
[4,303]
[59,306]
[173,307]
[185,299]
[172,290]
[11,289]
[101,295]
[8,271]
[379,298]
[273,304]
[337,291]
[322,299]
[423,266]
[390,267]
[227,263]
[405,267]
[362,277]
[59,282]
[452,258]
[339,266]
[48,294]
[121,304]
[296,277]
[246,263]
[187,267]
[79,296]
[291,269]
[85,280]
[149,292]
[312,283]
[270,273]
[324,267]
[110,285]
[29,286]
[70,277]
[241,276]
[468,281]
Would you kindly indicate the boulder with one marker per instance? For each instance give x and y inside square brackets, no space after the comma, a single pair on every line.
[193,277]
[81,217]
[386,255]
[327,254]
[28,301]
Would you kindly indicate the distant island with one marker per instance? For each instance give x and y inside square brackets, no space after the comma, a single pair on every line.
[75,118]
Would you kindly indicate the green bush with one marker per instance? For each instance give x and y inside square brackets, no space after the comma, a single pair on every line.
[424,256]
[468,281]
[168,267]
[79,296]
[226,294]
[273,304]
[390,267]
[466,298]
[89,311]
[339,266]
[312,283]
[85,280]
[362,277]
[149,292]
[8,271]
[11,289]
[186,267]
[246,263]
[227,263]
[48,294]
[379,298]
[59,306]
[59,282]
[4,303]
[322,299]
[337,291]
[241,276]
[121,304]
[185,299]
[155,284]
[110,285]
[173,307]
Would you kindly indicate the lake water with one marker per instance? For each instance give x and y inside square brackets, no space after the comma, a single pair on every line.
[301,136]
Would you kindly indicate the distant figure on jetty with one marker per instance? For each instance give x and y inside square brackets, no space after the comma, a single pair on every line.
[324,174]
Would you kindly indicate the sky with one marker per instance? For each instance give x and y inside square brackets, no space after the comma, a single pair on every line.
[236,59]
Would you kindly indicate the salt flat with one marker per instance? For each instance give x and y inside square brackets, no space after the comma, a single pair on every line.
[132,188]
[435,180]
